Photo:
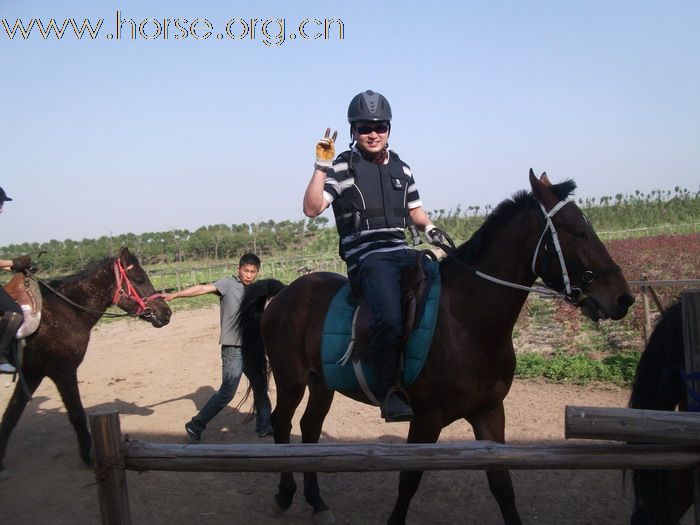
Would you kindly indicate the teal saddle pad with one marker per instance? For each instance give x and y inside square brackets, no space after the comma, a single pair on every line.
[337,331]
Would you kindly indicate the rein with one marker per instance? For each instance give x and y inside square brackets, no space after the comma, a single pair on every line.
[572,294]
[120,277]
[540,290]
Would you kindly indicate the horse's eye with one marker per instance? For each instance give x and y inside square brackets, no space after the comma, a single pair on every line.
[138,278]
[580,234]
[577,231]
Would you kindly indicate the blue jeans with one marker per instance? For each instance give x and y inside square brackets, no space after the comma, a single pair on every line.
[232,367]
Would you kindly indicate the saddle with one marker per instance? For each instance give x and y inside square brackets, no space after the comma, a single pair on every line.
[347,330]
[26,293]
[414,292]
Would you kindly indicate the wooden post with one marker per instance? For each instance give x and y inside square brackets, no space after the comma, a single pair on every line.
[110,468]
[657,300]
[647,314]
[690,301]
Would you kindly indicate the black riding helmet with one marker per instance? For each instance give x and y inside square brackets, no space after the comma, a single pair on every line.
[369,106]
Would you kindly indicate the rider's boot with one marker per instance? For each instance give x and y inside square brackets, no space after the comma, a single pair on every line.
[394,399]
[9,324]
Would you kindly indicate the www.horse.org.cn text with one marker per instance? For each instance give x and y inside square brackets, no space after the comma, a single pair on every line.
[268,31]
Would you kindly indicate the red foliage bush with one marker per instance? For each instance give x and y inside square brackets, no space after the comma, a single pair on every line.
[666,257]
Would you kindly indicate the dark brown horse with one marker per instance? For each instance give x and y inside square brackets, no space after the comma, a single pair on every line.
[470,367]
[662,497]
[71,308]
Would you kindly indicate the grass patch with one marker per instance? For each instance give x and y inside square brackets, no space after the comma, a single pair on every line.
[578,369]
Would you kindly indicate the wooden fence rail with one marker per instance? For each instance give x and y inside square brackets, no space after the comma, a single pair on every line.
[375,457]
[115,456]
[629,424]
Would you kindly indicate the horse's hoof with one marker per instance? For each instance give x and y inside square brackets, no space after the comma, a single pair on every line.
[324,517]
[86,457]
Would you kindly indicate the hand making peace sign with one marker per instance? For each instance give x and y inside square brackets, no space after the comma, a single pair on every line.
[325,151]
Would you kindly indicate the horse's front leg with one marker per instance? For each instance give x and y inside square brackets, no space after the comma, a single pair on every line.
[14,411]
[490,425]
[422,430]
[320,399]
[66,381]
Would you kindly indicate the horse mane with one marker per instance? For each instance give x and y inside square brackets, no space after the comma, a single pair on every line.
[67,280]
[502,214]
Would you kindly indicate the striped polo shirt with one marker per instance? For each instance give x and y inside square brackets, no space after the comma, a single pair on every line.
[354,247]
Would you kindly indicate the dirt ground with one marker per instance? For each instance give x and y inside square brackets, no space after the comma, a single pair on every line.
[157,378]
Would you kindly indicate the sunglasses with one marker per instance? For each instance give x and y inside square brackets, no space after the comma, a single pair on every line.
[377,128]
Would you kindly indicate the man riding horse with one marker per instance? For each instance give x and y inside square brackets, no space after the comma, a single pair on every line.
[10,312]
[374,198]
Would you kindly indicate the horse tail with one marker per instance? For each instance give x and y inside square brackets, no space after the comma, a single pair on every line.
[252,347]
[659,385]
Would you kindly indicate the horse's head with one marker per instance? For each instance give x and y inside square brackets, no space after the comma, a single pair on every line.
[571,258]
[135,293]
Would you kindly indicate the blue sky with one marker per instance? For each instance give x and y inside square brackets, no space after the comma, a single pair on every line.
[103,137]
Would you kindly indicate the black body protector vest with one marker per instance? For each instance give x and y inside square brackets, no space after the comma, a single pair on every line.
[376,200]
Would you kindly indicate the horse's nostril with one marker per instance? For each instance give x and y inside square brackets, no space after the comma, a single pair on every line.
[625,301]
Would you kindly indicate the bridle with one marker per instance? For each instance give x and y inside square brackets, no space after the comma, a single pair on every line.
[572,294]
[122,280]
[125,288]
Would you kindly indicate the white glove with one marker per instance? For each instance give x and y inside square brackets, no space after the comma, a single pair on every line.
[434,235]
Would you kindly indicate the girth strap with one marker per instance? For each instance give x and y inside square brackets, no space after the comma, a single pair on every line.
[357,363]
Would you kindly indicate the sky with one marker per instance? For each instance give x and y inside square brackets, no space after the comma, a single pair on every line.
[107,136]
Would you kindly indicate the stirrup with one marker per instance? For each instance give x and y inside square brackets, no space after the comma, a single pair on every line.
[401,412]
[7,368]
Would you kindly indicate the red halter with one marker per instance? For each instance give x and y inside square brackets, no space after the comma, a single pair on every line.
[122,280]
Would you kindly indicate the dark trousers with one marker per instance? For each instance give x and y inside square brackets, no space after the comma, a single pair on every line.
[8,324]
[7,303]
[379,279]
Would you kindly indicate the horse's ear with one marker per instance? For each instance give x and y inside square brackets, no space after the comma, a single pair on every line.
[533,179]
[124,255]
[535,183]
[540,187]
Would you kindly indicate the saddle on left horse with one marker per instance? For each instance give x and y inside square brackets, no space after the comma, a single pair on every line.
[26,293]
